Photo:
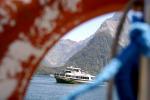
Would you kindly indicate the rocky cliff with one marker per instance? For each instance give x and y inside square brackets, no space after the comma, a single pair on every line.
[96,54]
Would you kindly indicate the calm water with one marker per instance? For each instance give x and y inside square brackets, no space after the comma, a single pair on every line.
[44,87]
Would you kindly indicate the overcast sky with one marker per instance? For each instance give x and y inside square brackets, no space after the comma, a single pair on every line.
[87,28]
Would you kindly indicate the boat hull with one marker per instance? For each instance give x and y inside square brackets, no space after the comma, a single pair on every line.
[70,81]
[62,80]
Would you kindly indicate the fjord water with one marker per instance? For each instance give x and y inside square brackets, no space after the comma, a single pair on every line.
[44,87]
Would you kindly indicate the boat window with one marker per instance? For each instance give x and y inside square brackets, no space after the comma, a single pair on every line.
[68,75]
[77,70]
[87,77]
[68,71]
[77,76]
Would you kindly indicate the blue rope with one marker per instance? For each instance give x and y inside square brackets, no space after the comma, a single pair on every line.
[140,44]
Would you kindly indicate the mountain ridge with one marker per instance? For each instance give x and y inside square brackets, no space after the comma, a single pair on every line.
[95,53]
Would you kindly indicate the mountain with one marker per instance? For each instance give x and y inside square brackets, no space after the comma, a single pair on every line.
[62,51]
[91,54]
[59,54]
[96,54]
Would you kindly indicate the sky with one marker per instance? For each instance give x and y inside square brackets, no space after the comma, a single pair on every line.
[87,28]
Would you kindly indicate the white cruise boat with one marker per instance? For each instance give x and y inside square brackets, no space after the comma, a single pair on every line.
[73,75]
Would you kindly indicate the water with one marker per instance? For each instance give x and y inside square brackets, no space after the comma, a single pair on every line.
[44,87]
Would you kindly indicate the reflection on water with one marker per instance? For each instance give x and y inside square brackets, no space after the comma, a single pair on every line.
[44,87]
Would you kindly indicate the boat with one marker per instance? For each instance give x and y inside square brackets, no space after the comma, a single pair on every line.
[73,75]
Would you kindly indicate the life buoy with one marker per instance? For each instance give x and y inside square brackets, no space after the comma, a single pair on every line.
[29,28]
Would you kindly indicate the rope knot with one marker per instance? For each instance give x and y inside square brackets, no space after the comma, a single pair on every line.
[140,35]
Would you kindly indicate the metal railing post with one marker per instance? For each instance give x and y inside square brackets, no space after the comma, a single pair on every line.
[144,83]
